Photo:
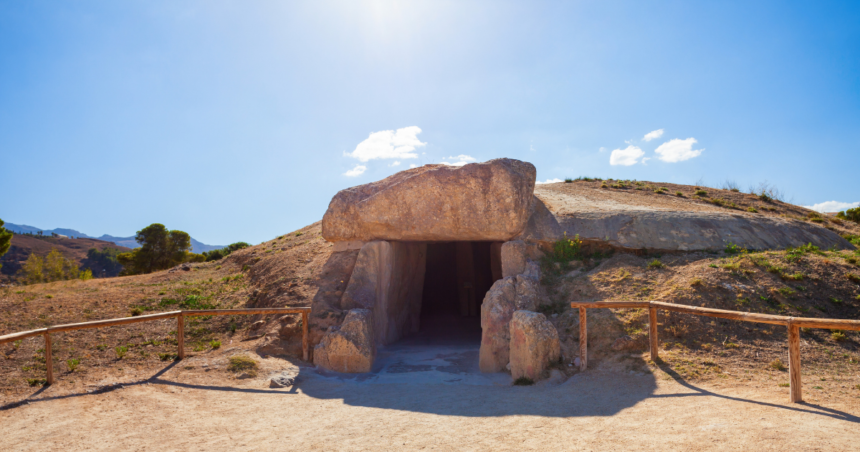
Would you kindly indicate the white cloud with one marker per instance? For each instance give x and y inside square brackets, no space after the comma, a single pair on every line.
[645,160]
[389,144]
[549,181]
[602,149]
[626,157]
[412,165]
[678,150]
[395,164]
[833,206]
[653,135]
[461,160]
[357,171]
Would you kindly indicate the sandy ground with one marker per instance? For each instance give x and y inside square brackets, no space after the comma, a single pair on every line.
[426,399]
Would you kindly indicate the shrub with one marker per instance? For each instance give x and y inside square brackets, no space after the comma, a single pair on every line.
[567,249]
[523,381]
[732,249]
[167,356]
[752,209]
[120,351]
[834,300]
[679,194]
[837,335]
[568,181]
[656,264]
[73,364]
[797,276]
[603,185]
[696,282]
[86,275]
[853,278]
[785,291]
[136,312]
[700,192]
[850,215]
[240,363]
[215,344]
[37,381]
[778,365]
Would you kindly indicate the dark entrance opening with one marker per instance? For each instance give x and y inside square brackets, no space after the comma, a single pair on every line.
[457,276]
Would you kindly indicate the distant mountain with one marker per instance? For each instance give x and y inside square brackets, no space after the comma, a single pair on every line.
[127,242]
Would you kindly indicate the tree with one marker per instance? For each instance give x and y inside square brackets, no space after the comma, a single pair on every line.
[159,249]
[53,267]
[850,214]
[5,240]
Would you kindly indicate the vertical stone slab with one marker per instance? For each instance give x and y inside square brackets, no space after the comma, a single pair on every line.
[496,260]
[388,279]
[534,345]
[513,258]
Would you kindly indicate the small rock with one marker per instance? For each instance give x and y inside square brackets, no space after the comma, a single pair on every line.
[282,381]
[245,376]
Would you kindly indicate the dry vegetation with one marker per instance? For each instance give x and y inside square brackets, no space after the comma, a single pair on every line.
[281,272]
[808,283]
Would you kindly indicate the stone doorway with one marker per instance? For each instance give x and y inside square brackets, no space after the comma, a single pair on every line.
[457,276]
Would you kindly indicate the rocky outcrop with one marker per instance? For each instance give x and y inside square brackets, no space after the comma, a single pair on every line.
[670,230]
[348,348]
[479,201]
[534,345]
[506,296]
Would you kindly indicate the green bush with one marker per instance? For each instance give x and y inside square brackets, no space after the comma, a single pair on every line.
[850,215]
[215,344]
[656,264]
[752,209]
[73,364]
[215,255]
[240,363]
[567,249]
[700,192]
[121,351]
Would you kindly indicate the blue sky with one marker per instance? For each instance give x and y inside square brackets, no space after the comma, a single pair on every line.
[240,120]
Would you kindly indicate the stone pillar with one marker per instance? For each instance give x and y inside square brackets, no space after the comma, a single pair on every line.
[513,258]
[388,279]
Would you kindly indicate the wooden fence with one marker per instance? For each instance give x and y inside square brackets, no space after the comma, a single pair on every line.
[792,323]
[180,328]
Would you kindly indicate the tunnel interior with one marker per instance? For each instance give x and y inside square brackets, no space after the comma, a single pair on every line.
[457,276]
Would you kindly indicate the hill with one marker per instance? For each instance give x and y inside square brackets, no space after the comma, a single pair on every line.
[300,267]
[73,249]
[128,242]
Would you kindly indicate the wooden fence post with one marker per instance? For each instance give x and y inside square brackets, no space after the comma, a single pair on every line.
[180,335]
[583,339]
[652,333]
[49,359]
[794,362]
[305,335]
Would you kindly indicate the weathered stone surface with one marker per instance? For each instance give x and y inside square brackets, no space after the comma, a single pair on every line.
[505,296]
[513,258]
[633,227]
[388,279]
[534,345]
[479,201]
[349,348]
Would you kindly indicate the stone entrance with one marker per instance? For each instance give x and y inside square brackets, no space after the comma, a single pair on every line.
[429,244]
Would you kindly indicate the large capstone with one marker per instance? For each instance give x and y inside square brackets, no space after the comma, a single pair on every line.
[478,201]
[534,345]
[350,347]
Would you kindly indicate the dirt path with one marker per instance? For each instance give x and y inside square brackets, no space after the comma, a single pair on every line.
[596,410]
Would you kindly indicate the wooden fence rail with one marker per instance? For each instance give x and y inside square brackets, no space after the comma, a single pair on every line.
[792,323]
[180,328]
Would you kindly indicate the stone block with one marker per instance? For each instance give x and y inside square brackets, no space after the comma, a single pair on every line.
[534,345]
